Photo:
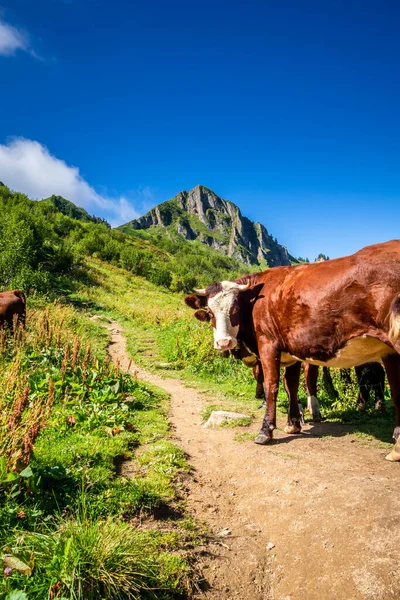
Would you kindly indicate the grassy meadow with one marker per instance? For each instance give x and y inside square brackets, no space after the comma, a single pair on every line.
[85,457]
[164,336]
[92,501]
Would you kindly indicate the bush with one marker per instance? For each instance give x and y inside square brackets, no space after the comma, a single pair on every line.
[161,277]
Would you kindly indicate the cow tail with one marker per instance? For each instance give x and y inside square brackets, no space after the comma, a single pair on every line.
[394,320]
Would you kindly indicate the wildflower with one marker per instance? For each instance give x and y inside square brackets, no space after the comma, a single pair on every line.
[75,352]
[29,440]
[7,571]
[86,358]
[64,363]
[18,409]
[71,419]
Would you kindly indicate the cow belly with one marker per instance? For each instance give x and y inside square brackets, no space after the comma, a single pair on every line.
[288,359]
[356,352]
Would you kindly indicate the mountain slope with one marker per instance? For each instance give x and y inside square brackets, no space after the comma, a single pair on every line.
[202,215]
[69,209]
[46,243]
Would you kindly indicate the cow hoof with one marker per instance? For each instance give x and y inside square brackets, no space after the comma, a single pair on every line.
[316,418]
[393,456]
[263,439]
[292,429]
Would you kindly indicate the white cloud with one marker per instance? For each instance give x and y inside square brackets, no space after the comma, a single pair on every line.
[27,166]
[13,39]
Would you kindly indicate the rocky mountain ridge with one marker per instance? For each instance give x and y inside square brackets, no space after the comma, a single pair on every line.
[202,215]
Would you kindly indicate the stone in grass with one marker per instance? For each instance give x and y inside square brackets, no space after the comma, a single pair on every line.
[100,318]
[218,417]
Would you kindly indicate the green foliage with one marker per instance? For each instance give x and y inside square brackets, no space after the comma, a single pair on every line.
[47,240]
[71,210]
[81,559]
[70,421]
[161,277]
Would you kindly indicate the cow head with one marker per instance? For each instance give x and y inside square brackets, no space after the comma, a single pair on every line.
[219,303]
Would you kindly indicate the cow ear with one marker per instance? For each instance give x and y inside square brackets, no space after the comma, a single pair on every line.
[202,315]
[196,302]
[252,293]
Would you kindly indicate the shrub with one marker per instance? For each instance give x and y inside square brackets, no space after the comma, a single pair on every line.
[85,560]
[161,277]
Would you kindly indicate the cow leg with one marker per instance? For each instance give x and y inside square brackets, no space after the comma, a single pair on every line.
[328,383]
[270,363]
[392,366]
[291,381]
[379,388]
[311,374]
[363,396]
[259,377]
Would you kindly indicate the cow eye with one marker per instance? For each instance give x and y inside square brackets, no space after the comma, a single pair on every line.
[235,308]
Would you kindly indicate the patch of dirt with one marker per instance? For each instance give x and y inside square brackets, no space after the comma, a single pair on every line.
[331,507]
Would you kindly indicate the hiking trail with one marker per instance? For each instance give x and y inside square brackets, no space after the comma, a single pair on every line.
[327,501]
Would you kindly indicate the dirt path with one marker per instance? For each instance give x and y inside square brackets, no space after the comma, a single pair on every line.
[330,505]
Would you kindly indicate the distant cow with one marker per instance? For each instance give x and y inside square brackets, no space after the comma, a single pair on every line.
[339,313]
[12,308]
[370,377]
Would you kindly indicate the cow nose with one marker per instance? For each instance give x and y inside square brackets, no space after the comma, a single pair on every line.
[224,344]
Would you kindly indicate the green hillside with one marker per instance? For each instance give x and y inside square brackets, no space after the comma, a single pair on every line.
[72,524]
[68,208]
[42,242]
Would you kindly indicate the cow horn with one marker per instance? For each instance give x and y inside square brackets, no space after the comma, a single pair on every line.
[244,286]
[200,292]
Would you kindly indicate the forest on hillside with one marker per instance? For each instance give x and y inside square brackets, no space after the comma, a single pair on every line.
[45,241]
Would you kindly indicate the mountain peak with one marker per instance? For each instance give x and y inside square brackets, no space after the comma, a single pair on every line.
[202,215]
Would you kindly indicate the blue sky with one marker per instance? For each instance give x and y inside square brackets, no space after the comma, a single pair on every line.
[290,109]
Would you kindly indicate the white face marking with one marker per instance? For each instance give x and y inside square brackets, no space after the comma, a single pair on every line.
[221,305]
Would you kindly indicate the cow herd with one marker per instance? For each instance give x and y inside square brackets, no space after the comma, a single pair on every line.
[340,313]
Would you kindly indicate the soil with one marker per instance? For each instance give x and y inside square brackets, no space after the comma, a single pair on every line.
[311,516]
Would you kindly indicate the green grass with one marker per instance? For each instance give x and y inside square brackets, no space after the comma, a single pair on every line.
[245,436]
[68,506]
[163,335]
[104,453]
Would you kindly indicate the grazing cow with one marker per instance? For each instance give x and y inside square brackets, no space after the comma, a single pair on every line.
[12,306]
[339,313]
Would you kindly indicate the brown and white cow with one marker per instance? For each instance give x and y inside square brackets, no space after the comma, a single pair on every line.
[12,306]
[341,313]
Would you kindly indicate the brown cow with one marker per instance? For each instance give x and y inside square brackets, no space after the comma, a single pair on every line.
[341,313]
[12,306]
